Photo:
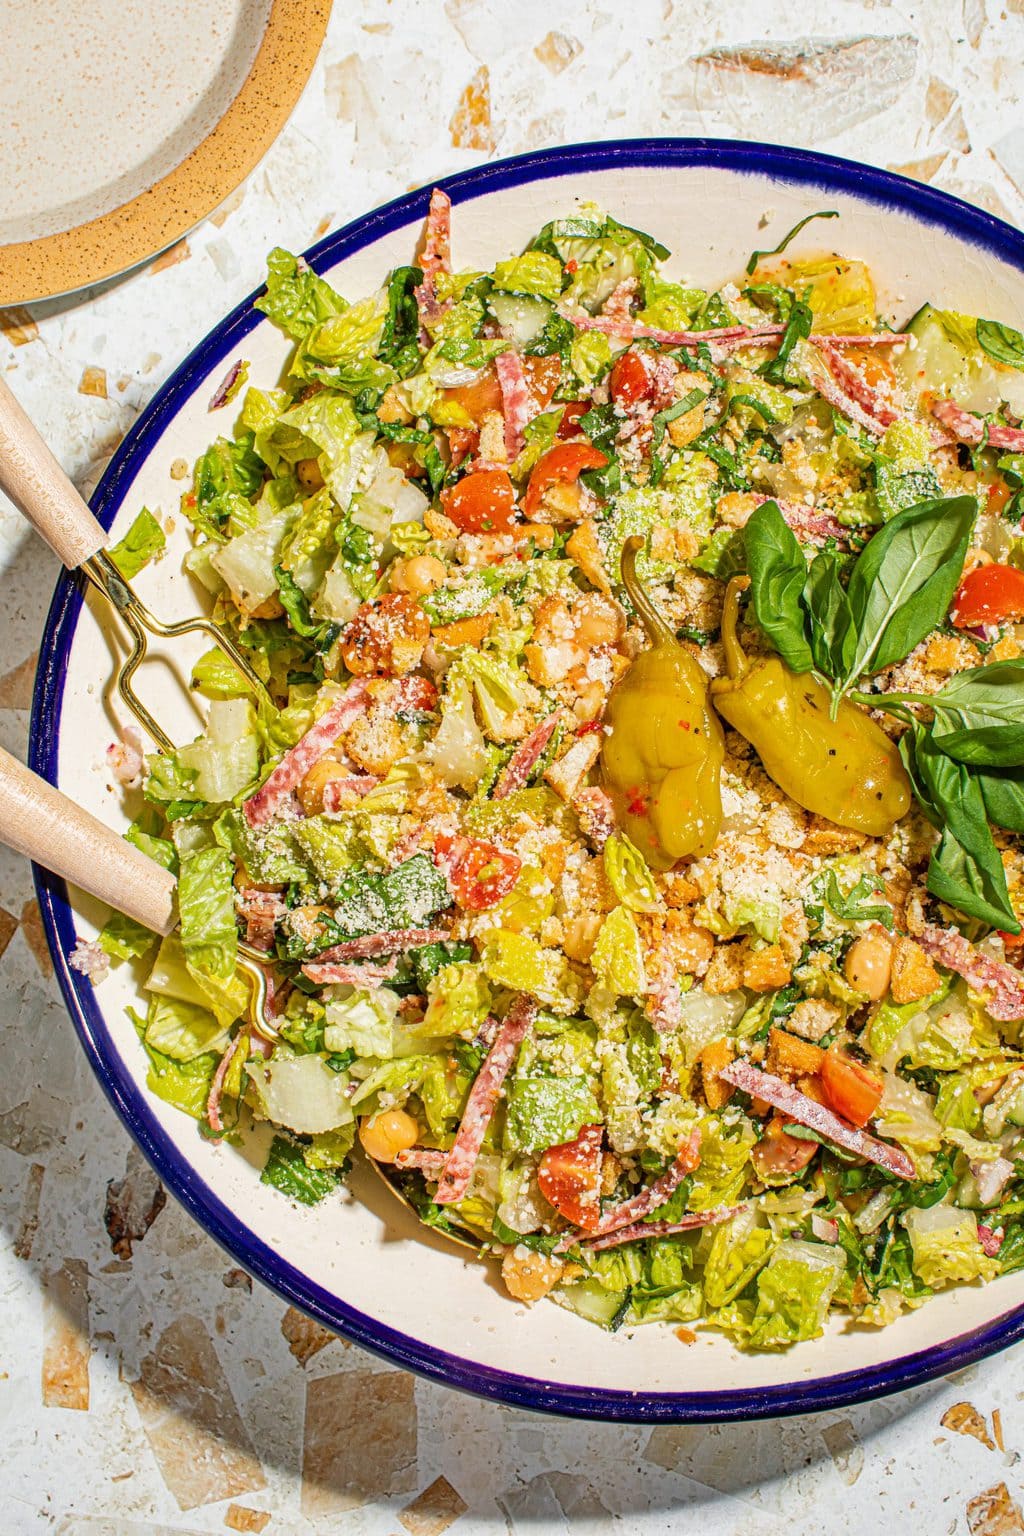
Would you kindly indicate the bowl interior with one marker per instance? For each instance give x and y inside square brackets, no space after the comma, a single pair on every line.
[358,1262]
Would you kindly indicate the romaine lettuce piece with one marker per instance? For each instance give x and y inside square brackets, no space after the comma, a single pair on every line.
[301,1093]
[247,562]
[459,1001]
[225,760]
[793,1293]
[288,1169]
[535,272]
[945,1244]
[617,959]
[458,752]
[183,1031]
[515,961]
[206,908]
[171,976]
[542,1112]
[724,1157]
[740,1248]
[362,1021]
[296,299]
[628,874]
[143,542]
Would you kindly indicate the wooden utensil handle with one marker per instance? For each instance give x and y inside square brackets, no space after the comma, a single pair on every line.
[38,486]
[40,822]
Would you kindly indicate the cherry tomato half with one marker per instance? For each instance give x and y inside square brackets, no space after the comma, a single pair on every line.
[778,1156]
[629,380]
[990,594]
[483,502]
[850,1089]
[480,874]
[565,461]
[569,1176]
[569,426]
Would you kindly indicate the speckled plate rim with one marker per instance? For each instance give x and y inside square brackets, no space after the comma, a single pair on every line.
[113,243]
[828,1392]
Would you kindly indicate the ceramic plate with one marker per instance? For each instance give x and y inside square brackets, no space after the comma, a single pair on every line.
[365,1269]
[159,112]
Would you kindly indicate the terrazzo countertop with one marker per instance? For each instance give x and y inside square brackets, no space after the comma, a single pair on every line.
[146,1387]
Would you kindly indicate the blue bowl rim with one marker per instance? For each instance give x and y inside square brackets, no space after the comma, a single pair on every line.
[799,167]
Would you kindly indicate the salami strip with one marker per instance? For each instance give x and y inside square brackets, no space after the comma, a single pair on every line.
[213,1119]
[829,390]
[619,303]
[222,394]
[857,387]
[427,1159]
[337,790]
[643,1229]
[435,257]
[368,977]
[971,429]
[517,403]
[483,1098]
[813,526]
[298,760]
[260,911]
[371,945]
[646,1200]
[806,1111]
[991,1239]
[1004,982]
[523,760]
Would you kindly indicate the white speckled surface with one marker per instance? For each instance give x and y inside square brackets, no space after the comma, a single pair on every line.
[156,1393]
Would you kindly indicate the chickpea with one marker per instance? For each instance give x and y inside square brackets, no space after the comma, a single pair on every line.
[868,965]
[529,1276]
[387,1134]
[311,789]
[417,575]
[307,473]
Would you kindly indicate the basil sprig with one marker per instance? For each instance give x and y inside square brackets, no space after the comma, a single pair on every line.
[967,763]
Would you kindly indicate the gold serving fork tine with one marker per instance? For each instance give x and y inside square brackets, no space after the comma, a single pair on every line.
[41,490]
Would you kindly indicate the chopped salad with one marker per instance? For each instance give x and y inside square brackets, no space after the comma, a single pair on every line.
[634,838]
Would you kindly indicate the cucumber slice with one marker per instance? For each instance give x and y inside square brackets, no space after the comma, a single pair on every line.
[590,1300]
[525,317]
[948,360]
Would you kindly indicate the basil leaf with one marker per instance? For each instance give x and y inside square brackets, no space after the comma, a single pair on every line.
[832,631]
[828,213]
[979,715]
[904,581]
[1003,794]
[965,869]
[778,571]
[1001,342]
[798,328]
[659,424]
[957,877]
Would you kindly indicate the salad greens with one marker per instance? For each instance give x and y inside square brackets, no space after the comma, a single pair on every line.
[774,1084]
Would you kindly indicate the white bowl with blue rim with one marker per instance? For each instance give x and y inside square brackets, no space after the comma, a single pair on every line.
[358,1263]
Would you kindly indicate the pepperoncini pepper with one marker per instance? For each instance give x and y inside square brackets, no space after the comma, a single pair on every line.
[662,760]
[846,769]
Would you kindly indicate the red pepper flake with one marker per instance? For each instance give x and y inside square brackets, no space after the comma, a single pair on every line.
[685,724]
[572,264]
[588,726]
[637,802]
